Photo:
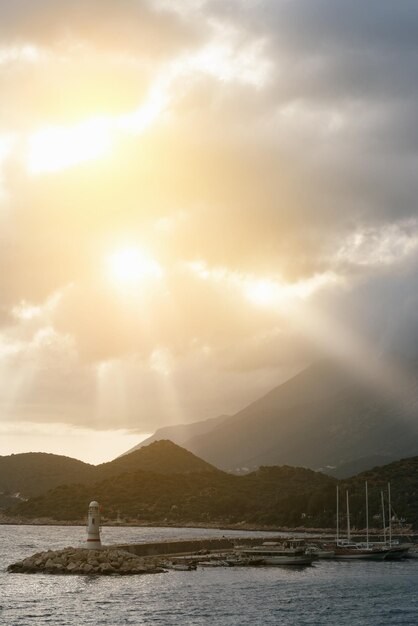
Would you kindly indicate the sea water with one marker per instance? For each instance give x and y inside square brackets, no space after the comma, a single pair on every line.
[326,593]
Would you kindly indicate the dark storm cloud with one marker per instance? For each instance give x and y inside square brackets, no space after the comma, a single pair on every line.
[360,60]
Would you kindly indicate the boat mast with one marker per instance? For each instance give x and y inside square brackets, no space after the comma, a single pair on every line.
[383,515]
[348,518]
[338,518]
[367,516]
[390,516]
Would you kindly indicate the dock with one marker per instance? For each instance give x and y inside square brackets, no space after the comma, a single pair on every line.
[190,546]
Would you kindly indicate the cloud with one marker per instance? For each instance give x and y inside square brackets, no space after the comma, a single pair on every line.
[128,26]
[283,151]
[79,58]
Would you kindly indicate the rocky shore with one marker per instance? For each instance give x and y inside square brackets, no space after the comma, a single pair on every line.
[83,561]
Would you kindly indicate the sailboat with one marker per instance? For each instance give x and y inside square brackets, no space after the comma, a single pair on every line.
[346,549]
[396,549]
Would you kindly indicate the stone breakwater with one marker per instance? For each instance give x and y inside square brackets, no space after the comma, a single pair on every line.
[82,561]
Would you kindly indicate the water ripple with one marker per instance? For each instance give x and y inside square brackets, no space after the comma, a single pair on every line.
[327,594]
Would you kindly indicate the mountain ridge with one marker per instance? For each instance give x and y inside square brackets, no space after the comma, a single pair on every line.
[324,416]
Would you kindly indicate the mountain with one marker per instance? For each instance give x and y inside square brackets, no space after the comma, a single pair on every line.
[181,432]
[325,417]
[33,473]
[279,496]
[352,468]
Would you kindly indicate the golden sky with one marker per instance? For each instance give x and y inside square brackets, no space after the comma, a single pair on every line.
[197,199]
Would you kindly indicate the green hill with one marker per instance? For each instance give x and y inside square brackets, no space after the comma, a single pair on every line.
[161,457]
[403,478]
[173,486]
[34,473]
[276,495]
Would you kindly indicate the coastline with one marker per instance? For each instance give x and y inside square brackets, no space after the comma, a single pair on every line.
[46,521]
[15,521]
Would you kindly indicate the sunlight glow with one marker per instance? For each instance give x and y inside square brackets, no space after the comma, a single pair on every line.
[266,292]
[87,444]
[130,266]
[57,147]
[145,115]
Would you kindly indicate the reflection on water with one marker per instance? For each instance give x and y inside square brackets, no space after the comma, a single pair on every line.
[328,593]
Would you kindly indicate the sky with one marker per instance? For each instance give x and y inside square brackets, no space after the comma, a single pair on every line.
[197,200]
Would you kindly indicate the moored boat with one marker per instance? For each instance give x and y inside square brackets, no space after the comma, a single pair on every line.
[320,551]
[395,549]
[350,550]
[290,552]
[397,552]
[347,550]
[412,552]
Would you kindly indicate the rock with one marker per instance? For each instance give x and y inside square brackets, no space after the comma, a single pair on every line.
[94,553]
[82,561]
[105,568]
[87,568]
[15,567]
[71,567]
[125,569]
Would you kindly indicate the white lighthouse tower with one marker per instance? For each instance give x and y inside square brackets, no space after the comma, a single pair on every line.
[93,527]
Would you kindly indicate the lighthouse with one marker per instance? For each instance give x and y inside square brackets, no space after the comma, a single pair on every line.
[93,527]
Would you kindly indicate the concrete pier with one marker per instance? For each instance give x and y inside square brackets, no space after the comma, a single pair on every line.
[190,546]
